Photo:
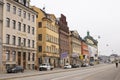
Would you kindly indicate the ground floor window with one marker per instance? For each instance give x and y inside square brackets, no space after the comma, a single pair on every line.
[28,66]
[7,66]
[33,66]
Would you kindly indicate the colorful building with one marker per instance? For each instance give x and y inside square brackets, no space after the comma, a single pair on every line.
[63,40]
[18,34]
[75,47]
[47,38]
[85,52]
[92,47]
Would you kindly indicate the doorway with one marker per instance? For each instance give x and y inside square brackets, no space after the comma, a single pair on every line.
[24,60]
[19,58]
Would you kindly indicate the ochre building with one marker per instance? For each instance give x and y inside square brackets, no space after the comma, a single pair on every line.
[47,38]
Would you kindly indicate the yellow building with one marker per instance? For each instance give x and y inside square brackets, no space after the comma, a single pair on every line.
[47,38]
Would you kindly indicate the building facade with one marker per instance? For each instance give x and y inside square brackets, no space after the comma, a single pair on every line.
[1,26]
[47,38]
[19,34]
[63,41]
[85,52]
[75,47]
[92,47]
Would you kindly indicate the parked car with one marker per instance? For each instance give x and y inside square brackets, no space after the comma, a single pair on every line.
[91,63]
[75,65]
[45,66]
[67,66]
[15,69]
[85,65]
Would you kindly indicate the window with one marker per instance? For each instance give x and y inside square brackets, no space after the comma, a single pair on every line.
[14,10]
[40,37]
[19,41]
[28,66]
[28,56]
[24,27]
[39,24]
[19,26]
[33,30]
[22,1]
[19,12]
[8,7]
[39,48]
[14,40]
[24,42]
[28,42]
[7,39]
[47,48]
[28,29]
[28,16]
[47,37]
[33,57]
[13,55]
[33,66]
[14,24]
[8,22]
[27,4]
[33,43]
[7,55]
[33,18]
[24,14]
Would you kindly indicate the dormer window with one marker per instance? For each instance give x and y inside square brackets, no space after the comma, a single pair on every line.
[27,4]
[21,1]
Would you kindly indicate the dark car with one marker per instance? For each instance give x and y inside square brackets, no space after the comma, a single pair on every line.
[91,63]
[15,69]
[75,65]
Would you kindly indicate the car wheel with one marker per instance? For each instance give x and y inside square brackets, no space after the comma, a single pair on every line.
[15,71]
[22,71]
[51,68]
[39,69]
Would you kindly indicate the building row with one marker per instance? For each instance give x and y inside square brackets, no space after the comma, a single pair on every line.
[29,36]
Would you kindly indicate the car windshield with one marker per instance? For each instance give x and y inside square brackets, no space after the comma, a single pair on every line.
[66,65]
[44,64]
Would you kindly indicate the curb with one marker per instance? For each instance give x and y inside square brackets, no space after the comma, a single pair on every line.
[50,72]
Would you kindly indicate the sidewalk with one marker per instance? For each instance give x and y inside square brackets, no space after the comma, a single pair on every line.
[28,73]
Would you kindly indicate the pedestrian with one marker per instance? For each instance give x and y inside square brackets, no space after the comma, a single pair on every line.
[116,62]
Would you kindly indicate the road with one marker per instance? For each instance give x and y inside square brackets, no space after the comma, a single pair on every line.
[106,72]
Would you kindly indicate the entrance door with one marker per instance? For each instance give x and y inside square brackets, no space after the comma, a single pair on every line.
[19,58]
[24,60]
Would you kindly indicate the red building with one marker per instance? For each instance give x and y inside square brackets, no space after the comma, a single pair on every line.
[85,52]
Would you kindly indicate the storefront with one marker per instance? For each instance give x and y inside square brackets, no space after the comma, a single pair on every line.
[75,58]
[64,59]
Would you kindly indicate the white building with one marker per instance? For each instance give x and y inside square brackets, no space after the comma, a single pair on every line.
[19,34]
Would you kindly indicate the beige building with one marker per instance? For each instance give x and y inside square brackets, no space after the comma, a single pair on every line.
[1,23]
[19,34]
[47,38]
[75,47]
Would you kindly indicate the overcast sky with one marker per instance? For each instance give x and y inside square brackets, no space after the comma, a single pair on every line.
[100,17]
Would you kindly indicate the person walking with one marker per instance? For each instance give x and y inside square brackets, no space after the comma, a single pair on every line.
[116,62]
